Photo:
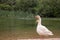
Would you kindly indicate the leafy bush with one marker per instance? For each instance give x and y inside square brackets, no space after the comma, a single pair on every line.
[46,8]
[5,7]
[49,8]
[26,5]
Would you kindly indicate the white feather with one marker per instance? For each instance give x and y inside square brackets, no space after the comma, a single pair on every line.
[42,30]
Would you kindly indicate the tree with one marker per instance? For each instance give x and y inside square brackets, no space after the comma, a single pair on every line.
[26,5]
[49,8]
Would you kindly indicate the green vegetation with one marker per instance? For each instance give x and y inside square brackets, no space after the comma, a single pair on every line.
[45,8]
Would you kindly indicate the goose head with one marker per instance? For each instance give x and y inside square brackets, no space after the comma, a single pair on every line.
[38,19]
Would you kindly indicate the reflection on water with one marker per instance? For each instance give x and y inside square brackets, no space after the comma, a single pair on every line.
[26,28]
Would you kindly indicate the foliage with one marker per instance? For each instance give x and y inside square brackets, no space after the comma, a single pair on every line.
[50,8]
[5,7]
[26,5]
[46,8]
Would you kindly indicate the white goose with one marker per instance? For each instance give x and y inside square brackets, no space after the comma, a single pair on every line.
[42,30]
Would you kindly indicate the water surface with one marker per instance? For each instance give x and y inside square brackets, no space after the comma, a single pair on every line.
[24,28]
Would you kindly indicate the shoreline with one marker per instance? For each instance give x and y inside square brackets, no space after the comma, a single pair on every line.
[42,39]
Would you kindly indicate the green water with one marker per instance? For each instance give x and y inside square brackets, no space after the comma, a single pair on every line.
[26,28]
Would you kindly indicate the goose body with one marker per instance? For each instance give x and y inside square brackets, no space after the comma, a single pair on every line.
[42,30]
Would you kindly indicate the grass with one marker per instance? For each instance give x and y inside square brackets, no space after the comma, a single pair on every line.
[15,27]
